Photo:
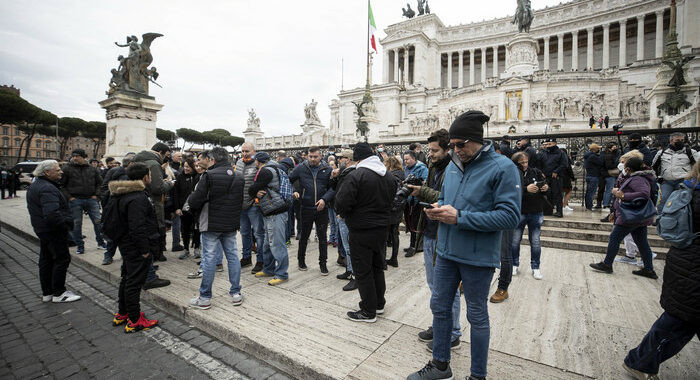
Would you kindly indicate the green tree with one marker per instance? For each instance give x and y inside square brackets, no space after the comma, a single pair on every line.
[96,131]
[232,141]
[191,136]
[28,118]
[69,127]
[165,135]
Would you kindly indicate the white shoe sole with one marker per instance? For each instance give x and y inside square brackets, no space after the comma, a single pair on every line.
[363,320]
[200,307]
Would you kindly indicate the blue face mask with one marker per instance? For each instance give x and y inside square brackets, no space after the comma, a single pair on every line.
[380,150]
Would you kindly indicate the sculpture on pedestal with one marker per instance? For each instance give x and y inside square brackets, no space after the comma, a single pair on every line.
[523,16]
[253,120]
[362,126]
[408,12]
[676,100]
[133,73]
[423,7]
[310,113]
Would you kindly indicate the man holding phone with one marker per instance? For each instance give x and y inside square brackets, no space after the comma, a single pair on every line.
[480,197]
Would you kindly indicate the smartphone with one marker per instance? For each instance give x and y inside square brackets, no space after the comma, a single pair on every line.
[426,205]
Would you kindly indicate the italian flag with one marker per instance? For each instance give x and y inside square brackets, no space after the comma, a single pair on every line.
[372,28]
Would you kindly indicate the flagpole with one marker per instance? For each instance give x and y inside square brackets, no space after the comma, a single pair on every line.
[367,94]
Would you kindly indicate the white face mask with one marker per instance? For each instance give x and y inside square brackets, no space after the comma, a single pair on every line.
[621,167]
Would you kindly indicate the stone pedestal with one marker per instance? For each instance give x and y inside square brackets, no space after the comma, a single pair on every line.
[131,123]
[314,135]
[521,56]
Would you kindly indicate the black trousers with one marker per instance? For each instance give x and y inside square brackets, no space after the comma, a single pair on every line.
[188,230]
[601,191]
[367,248]
[309,217]
[393,237]
[54,259]
[555,193]
[411,214]
[134,270]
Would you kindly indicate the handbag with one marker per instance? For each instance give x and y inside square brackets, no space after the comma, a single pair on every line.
[637,210]
[614,172]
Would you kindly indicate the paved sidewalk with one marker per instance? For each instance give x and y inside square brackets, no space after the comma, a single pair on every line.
[574,324]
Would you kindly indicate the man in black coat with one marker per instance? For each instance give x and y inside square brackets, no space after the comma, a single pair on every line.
[52,220]
[594,167]
[136,234]
[554,163]
[505,146]
[115,173]
[364,201]
[635,142]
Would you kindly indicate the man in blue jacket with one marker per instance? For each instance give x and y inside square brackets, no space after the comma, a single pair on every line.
[480,198]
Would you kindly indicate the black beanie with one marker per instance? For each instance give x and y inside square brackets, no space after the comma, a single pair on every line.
[635,136]
[361,151]
[469,126]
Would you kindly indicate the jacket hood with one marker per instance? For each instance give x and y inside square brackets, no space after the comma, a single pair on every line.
[589,153]
[649,174]
[287,162]
[146,155]
[124,187]
[374,164]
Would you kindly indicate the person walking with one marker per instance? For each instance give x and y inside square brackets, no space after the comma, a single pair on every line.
[185,183]
[313,176]
[594,167]
[412,209]
[252,225]
[672,165]
[51,218]
[363,201]
[680,299]
[80,184]
[636,188]
[218,198]
[472,214]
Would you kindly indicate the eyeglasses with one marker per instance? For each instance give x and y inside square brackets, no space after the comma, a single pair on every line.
[459,145]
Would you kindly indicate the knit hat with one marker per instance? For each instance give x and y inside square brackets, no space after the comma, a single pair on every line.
[345,153]
[469,126]
[361,151]
[262,157]
[78,152]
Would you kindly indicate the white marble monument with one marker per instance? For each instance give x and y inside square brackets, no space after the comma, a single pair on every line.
[131,123]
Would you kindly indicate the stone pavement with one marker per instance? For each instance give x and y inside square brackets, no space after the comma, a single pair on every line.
[573,324]
[77,340]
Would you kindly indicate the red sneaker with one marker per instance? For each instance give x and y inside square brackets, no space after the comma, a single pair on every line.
[141,324]
[119,319]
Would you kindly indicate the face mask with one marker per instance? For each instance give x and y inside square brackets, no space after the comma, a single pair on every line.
[621,167]
[678,145]
[552,148]
[380,150]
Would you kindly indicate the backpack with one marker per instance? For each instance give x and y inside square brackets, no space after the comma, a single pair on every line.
[675,223]
[285,186]
[657,165]
[112,225]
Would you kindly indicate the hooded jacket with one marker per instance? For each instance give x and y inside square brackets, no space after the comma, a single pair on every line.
[593,164]
[638,185]
[49,211]
[113,174]
[553,161]
[487,194]
[218,197]
[80,181]
[366,195]
[313,186]
[137,217]
[153,161]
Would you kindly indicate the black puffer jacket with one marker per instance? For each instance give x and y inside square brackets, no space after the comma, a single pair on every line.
[313,187]
[593,164]
[80,181]
[680,293]
[113,174]
[552,160]
[184,186]
[610,161]
[137,218]
[48,208]
[218,198]
[533,203]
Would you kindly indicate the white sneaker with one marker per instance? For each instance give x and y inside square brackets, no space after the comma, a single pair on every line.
[67,296]
[193,275]
[567,208]
[536,274]
[46,298]
[653,255]
[200,303]
[515,271]
[237,299]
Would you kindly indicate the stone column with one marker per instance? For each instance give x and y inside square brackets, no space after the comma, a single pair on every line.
[460,65]
[396,65]
[439,70]
[589,49]
[640,38]
[606,46]
[385,67]
[471,66]
[659,34]
[495,61]
[405,65]
[546,53]
[574,50]
[416,76]
[623,44]
[483,65]
[449,70]
[560,51]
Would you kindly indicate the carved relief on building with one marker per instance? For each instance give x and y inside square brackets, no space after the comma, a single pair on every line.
[634,107]
[514,102]
[573,106]
[130,114]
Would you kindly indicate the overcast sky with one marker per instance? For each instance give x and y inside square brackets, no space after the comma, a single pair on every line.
[216,59]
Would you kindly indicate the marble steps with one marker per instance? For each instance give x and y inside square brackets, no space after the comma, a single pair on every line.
[585,245]
[655,241]
[584,224]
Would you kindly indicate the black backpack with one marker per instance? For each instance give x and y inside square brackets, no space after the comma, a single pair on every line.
[657,164]
[112,225]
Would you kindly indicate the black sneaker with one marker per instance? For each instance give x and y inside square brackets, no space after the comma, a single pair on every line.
[157,283]
[410,251]
[324,270]
[257,268]
[161,257]
[455,343]
[246,262]
[344,276]
[393,262]
[352,285]
[431,372]
[603,267]
[606,219]
[361,316]
[302,267]
[472,377]
[426,335]
[177,248]
[558,215]
[646,273]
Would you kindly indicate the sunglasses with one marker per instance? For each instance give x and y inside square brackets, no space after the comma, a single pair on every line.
[459,145]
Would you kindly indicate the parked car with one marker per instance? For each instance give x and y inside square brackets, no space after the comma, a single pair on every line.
[26,178]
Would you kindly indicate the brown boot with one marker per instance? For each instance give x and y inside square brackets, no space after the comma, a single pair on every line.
[500,296]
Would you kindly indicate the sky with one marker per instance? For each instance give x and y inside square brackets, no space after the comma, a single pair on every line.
[216,59]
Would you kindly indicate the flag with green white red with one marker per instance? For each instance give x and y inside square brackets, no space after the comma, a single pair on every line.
[372,28]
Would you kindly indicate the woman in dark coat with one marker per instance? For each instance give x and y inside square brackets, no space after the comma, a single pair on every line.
[680,299]
[184,186]
[394,166]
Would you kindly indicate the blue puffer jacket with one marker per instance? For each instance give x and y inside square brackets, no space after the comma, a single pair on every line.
[420,171]
[488,196]
[313,187]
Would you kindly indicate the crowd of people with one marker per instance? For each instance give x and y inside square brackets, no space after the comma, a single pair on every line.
[9,181]
[455,202]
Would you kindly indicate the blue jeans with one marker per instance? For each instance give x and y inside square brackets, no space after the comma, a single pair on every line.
[78,206]
[213,243]
[333,237]
[151,271]
[275,255]
[534,227]
[639,235]
[666,189]
[344,233]
[252,223]
[290,222]
[607,197]
[476,282]
[428,250]
[667,337]
[176,230]
[591,191]
[505,276]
